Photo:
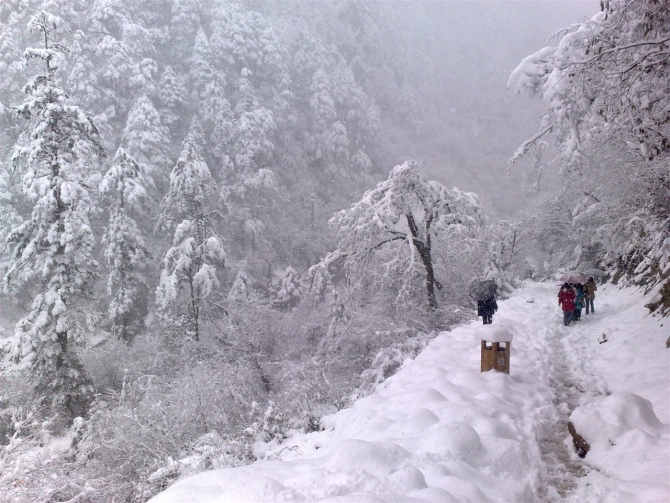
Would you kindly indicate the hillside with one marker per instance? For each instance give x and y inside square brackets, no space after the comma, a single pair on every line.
[439,430]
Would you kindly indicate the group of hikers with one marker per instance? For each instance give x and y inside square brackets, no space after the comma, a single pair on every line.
[573,297]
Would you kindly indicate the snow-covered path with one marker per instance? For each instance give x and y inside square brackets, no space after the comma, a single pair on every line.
[564,364]
[439,430]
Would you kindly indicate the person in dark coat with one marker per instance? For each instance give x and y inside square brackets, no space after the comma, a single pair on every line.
[590,288]
[486,308]
[566,299]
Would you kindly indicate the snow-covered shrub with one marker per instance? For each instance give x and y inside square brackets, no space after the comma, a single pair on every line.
[388,361]
[167,401]
[269,428]
[113,362]
[290,291]
[34,459]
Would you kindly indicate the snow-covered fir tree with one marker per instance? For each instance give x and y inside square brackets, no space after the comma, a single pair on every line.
[217,117]
[126,254]
[147,140]
[202,72]
[322,113]
[10,69]
[290,290]
[9,218]
[171,96]
[53,248]
[184,26]
[239,291]
[262,180]
[254,127]
[82,80]
[318,281]
[189,274]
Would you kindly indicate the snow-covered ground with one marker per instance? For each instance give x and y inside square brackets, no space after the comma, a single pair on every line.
[439,430]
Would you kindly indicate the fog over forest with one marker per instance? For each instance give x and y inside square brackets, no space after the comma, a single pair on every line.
[472,122]
[223,220]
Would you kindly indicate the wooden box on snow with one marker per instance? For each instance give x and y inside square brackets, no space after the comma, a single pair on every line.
[496,348]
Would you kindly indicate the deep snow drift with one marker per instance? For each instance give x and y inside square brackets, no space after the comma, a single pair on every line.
[439,430]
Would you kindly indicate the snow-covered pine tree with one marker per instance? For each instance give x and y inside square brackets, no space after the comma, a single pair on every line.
[403,215]
[252,145]
[148,142]
[82,80]
[361,115]
[322,115]
[9,218]
[10,69]
[54,247]
[171,96]
[339,316]
[217,117]
[125,53]
[290,292]
[239,291]
[190,266]
[262,179]
[318,282]
[184,26]
[202,72]
[116,65]
[126,254]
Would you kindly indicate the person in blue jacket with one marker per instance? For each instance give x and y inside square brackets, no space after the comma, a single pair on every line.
[579,302]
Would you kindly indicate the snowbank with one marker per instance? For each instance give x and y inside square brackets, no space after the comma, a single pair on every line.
[624,436]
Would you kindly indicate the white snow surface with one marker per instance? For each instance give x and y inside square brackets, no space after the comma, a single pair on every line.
[493,333]
[439,430]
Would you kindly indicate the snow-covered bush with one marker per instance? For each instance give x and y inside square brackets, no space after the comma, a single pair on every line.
[290,291]
[166,413]
[388,361]
[34,456]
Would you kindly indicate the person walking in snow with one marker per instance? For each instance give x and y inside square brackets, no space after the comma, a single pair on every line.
[486,308]
[590,288]
[579,302]
[566,299]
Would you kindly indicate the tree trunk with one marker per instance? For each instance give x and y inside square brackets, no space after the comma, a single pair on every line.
[424,253]
[424,249]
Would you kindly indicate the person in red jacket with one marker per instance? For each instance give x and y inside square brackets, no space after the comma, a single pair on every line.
[566,299]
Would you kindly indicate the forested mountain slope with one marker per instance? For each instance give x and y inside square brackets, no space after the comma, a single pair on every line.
[223,220]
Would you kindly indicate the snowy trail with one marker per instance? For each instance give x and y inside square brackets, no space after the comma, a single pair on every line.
[565,366]
[440,430]
[562,468]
